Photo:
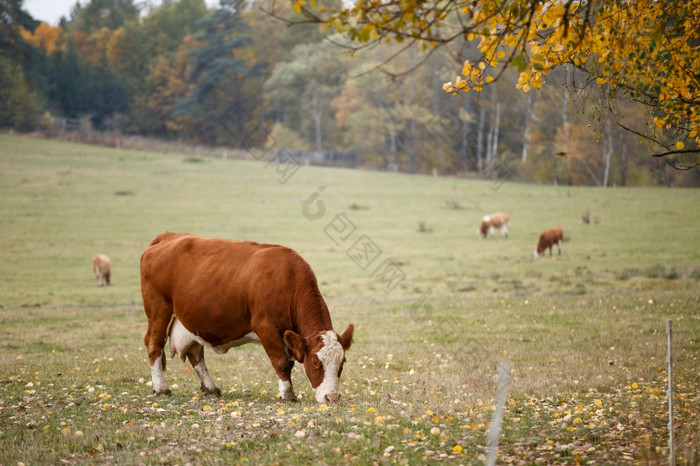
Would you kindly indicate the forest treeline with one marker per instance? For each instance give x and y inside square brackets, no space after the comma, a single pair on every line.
[241,75]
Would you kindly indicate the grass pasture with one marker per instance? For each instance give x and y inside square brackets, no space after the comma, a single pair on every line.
[436,309]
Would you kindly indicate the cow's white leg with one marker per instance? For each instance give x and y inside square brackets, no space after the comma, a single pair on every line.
[200,367]
[157,377]
[559,246]
[286,390]
[504,231]
[284,369]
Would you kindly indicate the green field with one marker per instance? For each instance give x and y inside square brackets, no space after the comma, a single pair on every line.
[436,309]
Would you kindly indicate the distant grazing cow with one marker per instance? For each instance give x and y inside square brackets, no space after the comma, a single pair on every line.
[102,267]
[490,222]
[220,293]
[549,238]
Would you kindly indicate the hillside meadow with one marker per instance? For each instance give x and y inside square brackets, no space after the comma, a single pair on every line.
[436,310]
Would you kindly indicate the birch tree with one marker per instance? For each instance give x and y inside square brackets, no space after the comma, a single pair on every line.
[645,50]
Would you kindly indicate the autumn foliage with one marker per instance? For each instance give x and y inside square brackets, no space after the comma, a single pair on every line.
[44,37]
[600,85]
[645,50]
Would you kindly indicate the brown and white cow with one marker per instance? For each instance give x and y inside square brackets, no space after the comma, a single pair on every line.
[220,293]
[549,238]
[102,267]
[490,222]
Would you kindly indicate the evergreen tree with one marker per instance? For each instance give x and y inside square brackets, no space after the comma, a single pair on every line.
[82,89]
[218,99]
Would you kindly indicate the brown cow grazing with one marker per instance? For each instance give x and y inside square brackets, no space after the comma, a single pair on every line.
[549,238]
[102,267]
[219,293]
[490,222]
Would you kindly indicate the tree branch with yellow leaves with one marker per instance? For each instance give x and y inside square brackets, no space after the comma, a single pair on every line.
[644,50]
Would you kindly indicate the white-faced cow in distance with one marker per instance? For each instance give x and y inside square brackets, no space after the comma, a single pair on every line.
[102,267]
[220,294]
[549,238]
[490,222]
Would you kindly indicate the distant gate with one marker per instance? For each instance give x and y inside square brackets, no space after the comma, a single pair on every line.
[319,157]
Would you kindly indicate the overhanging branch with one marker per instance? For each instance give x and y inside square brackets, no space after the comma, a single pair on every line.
[677,152]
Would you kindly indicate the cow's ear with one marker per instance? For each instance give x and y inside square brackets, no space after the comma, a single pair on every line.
[296,345]
[346,337]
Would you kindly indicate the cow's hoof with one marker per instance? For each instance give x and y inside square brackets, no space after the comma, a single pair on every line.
[165,392]
[293,399]
[212,391]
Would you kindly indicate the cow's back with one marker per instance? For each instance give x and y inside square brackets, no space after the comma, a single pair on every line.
[557,234]
[181,262]
[499,219]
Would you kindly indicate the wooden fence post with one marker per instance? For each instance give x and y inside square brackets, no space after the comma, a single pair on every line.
[669,361]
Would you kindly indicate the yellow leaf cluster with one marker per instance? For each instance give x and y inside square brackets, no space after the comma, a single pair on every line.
[625,48]
[298,4]
[45,37]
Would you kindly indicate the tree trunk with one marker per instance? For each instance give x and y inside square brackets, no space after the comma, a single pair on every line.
[437,134]
[411,126]
[489,141]
[568,73]
[392,143]
[464,141]
[529,117]
[623,169]
[492,142]
[566,95]
[607,154]
[591,172]
[496,131]
[411,145]
[316,110]
[480,139]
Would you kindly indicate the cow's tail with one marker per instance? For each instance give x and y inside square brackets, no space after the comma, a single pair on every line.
[167,333]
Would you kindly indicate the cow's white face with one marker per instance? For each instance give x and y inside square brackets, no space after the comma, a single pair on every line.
[323,358]
[331,356]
